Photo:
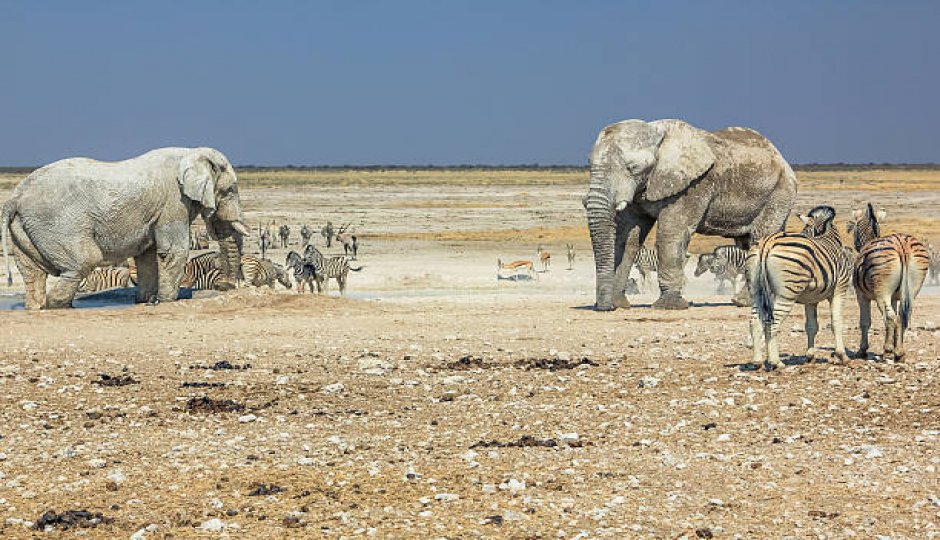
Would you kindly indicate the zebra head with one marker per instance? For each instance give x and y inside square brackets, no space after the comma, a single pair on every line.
[818,222]
[866,226]
[294,260]
[704,264]
[281,274]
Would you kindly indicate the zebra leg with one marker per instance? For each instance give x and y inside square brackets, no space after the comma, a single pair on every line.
[782,308]
[756,339]
[835,306]
[891,322]
[812,328]
[341,281]
[864,323]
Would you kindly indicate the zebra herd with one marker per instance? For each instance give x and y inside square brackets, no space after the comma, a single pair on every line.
[314,267]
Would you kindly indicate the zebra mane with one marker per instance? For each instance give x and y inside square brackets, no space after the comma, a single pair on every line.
[873,221]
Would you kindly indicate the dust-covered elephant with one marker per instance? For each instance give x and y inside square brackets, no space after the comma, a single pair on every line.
[731,183]
[69,217]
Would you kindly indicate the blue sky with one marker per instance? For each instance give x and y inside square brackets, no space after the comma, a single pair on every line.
[451,82]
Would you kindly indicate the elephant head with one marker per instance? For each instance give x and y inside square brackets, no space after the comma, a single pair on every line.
[208,179]
[634,159]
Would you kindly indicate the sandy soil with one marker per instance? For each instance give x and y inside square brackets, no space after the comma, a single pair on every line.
[439,402]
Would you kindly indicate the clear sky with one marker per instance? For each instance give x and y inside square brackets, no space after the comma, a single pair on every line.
[454,82]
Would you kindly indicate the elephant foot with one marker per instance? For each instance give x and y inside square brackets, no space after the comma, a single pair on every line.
[621,302]
[671,301]
[599,306]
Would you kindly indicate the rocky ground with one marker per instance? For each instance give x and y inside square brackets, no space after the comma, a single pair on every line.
[268,414]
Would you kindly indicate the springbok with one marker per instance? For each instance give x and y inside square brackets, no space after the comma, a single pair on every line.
[515,266]
[545,257]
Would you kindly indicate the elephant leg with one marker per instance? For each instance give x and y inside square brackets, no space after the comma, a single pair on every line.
[676,225]
[632,230]
[146,276]
[169,271]
[34,277]
[63,292]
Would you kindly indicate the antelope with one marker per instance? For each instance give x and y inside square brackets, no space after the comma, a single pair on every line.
[515,265]
[570,255]
[545,257]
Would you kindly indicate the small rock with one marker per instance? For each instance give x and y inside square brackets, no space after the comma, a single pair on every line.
[247,418]
[97,463]
[334,388]
[213,525]
[446,497]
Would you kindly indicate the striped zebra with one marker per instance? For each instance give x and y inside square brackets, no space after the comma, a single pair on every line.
[260,272]
[207,280]
[806,268]
[934,255]
[104,278]
[890,270]
[328,267]
[303,272]
[197,267]
[726,263]
[646,262]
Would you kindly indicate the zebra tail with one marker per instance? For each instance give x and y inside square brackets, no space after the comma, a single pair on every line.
[6,216]
[354,269]
[762,296]
[905,305]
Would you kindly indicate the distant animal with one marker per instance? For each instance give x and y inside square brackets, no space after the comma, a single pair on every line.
[545,258]
[328,267]
[807,268]
[305,233]
[327,233]
[264,241]
[304,273]
[934,255]
[260,272]
[284,234]
[198,240]
[646,263]
[350,244]
[104,278]
[727,263]
[515,265]
[890,270]
[570,249]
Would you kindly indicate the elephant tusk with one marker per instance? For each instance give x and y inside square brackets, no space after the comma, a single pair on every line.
[621,205]
[241,228]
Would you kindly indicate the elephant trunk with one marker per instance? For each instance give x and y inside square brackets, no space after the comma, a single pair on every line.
[600,215]
[230,245]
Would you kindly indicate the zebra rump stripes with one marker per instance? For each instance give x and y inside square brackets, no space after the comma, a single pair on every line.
[890,270]
[806,268]
[102,279]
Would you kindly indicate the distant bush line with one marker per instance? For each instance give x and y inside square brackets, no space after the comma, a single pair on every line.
[530,167]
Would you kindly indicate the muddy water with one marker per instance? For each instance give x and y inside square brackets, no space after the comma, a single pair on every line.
[113,299]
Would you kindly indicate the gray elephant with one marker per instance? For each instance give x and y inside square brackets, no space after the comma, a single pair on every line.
[731,183]
[69,217]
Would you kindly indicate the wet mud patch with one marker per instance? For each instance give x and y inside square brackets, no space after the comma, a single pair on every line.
[207,405]
[82,519]
[111,380]
[553,364]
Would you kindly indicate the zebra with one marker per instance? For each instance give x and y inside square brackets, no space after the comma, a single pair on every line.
[350,244]
[807,268]
[304,273]
[934,255]
[646,262]
[726,262]
[570,249]
[305,233]
[198,240]
[198,266]
[104,278]
[284,234]
[207,280]
[545,258]
[259,272]
[328,267]
[890,270]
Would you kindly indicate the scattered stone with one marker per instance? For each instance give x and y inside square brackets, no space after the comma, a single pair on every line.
[244,419]
[553,364]
[260,489]
[334,388]
[648,382]
[467,362]
[212,525]
[221,365]
[202,384]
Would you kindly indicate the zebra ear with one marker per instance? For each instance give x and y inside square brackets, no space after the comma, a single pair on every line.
[881,214]
[805,219]
[856,214]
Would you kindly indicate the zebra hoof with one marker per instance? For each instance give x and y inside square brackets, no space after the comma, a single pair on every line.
[671,301]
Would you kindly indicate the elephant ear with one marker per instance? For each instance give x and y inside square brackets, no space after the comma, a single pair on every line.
[196,179]
[683,156]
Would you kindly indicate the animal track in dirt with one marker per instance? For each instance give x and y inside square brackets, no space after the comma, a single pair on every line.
[205,404]
[71,518]
[110,380]
[221,365]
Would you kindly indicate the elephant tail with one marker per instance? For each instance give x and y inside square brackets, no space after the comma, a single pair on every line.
[6,216]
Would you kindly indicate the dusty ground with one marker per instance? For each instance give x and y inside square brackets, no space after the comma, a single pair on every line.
[440,402]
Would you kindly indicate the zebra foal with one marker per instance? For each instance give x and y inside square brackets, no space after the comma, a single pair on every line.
[807,268]
[304,273]
[726,262]
[260,272]
[646,262]
[104,278]
[890,270]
